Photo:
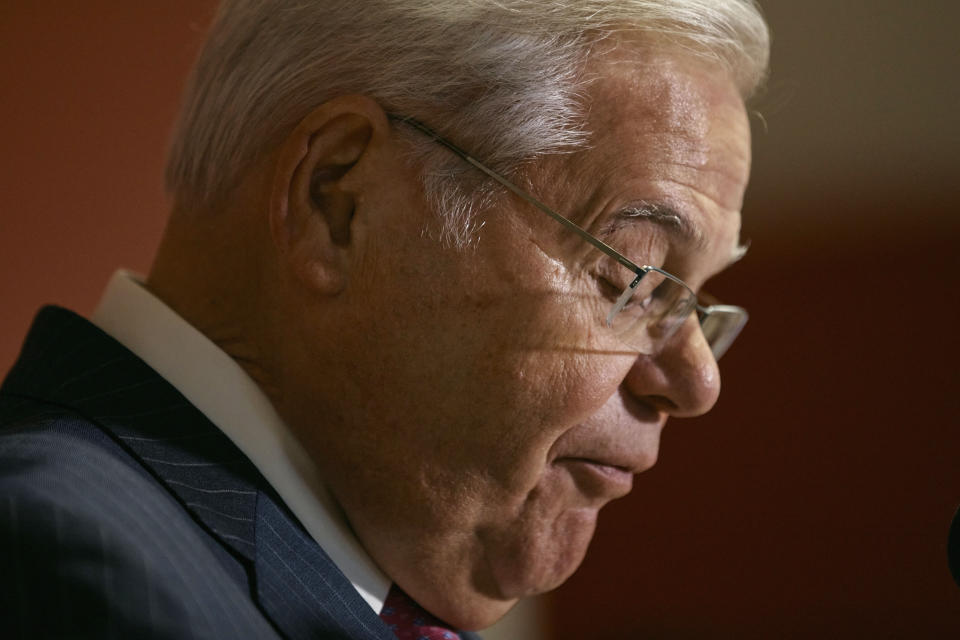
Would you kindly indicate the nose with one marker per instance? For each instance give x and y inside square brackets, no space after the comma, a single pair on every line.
[683,379]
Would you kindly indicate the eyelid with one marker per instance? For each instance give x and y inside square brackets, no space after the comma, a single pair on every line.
[643,242]
[609,288]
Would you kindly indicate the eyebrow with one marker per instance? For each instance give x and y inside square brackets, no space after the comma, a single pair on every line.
[667,217]
[674,222]
[662,214]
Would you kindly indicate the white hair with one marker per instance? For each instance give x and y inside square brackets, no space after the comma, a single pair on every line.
[503,78]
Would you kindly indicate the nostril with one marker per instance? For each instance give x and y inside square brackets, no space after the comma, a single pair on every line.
[661,403]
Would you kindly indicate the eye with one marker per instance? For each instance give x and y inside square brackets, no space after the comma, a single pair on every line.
[612,289]
[607,288]
[655,294]
[663,291]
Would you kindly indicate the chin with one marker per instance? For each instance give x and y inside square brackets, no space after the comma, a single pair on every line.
[532,560]
[482,615]
[522,562]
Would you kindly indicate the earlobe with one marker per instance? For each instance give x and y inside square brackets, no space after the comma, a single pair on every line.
[312,202]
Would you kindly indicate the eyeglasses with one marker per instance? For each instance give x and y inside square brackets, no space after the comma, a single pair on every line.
[655,303]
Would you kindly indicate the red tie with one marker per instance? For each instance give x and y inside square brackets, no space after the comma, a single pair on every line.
[409,621]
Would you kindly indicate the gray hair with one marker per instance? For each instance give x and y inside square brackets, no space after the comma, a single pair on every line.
[505,76]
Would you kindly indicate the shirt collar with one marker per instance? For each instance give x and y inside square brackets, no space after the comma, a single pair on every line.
[216,385]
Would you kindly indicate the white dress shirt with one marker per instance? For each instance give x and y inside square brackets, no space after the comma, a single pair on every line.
[216,385]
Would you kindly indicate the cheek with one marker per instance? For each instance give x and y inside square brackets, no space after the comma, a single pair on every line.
[544,395]
[491,379]
[541,547]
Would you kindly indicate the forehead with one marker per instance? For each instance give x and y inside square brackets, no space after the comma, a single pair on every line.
[666,130]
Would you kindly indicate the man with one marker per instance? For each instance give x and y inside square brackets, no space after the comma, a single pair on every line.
[423,306]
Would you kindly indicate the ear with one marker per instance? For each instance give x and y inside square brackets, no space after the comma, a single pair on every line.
[315,188]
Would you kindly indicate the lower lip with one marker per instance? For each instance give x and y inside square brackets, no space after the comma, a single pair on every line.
[599,480]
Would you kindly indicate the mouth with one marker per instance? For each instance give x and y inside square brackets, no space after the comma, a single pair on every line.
[598,480]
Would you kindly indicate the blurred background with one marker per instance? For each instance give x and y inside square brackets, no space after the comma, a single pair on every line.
[816,498]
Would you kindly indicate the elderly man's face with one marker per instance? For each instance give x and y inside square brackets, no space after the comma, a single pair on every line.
[480,415]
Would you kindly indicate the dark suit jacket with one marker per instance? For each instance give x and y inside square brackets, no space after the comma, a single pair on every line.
[125,513]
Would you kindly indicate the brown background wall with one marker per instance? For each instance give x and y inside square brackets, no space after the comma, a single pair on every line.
[815,499]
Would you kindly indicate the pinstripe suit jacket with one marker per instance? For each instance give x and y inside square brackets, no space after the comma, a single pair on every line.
[125,513]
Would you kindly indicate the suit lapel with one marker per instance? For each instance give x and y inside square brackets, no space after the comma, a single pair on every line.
[69,362]
[301,587]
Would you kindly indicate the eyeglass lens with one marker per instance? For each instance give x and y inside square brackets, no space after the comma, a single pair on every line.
[646,315]
[657,306]
[721,324]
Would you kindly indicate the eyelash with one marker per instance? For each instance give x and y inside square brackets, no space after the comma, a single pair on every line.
[607,288]
[613,291]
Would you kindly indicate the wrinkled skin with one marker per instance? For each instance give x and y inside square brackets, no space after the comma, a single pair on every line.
[481,416]
[465,408]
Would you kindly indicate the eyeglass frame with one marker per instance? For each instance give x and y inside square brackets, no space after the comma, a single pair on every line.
[703,311]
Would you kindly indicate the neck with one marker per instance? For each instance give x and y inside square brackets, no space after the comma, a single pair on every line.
[209,274]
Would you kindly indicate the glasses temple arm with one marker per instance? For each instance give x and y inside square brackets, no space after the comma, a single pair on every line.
[599,244]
